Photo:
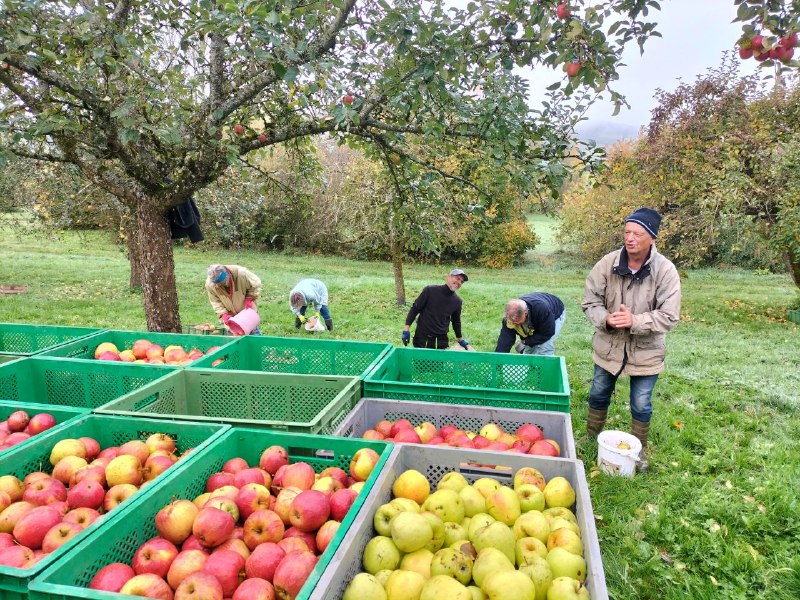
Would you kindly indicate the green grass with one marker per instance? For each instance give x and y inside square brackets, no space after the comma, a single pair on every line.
[717,515]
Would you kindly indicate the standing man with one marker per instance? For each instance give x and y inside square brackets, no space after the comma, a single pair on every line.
[437,306]
[231,289]
[306,292]
[537,319]
[633,298]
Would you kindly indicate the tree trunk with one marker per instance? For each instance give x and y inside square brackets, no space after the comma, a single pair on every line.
[157,268]
[793,267]
[134,255]
[397,265]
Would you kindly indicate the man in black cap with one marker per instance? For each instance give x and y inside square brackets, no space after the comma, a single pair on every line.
[633,298]
[437,307]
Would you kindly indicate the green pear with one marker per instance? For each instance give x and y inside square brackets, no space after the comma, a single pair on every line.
[474,501]
[486,485]
[567,539]
[442,587]
[528,547]
[466,547]
[404,585]
[452,481]
[489,560]
[496,535]
[559,512]
[530,497]
[437,525]
[410,531]
[383,575]
[477,593]
[419,561]
[559,492]
[363,586]
[532,524]
[541,575]
[478,521]
[559,523]
[380,553]
[564,563]
[453,532]
[503,505]
[405,504]
[508,585]
[452,563]
[566,588]
[447,504]
[383,517]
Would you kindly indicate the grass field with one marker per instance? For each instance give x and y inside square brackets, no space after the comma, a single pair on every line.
[717,516]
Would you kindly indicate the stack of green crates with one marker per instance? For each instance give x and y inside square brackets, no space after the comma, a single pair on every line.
[520,381]
[296,355]
[84,348]
[108,431]
[301,403]
[17,340]
[128,529]
[64,382]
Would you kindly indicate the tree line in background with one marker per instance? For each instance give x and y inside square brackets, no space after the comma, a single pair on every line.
[720,160]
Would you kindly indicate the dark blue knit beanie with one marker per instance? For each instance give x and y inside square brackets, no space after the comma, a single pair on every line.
[647,218]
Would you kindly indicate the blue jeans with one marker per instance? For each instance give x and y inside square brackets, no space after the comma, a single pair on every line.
[548,348]
[255,331]
[323,311]
[642,386]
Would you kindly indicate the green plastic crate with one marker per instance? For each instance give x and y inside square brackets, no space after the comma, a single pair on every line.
[62,414]
[64,382]
[123,340]
[24,340]
[301,403]
[131,527]
[520,381]
[434,463]
[108,431]
[6,358]
[297,355]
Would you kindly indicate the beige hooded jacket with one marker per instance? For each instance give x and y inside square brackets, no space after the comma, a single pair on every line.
[652,294]
[246,284]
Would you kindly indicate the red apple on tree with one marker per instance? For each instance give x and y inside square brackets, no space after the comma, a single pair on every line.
[573,68]
[347,99]
[563,11]
[238,129]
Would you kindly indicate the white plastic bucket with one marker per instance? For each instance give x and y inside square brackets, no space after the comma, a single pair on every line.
[244,322]
[613,457]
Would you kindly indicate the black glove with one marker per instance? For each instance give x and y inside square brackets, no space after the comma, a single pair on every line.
[406,337]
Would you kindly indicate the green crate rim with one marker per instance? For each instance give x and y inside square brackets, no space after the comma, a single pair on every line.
[88,332]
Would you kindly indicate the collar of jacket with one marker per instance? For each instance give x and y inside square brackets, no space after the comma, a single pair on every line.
[622,269]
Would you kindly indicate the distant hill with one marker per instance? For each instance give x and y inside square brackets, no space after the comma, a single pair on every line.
[606,133]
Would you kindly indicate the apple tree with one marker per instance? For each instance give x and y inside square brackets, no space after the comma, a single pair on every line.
[153,101]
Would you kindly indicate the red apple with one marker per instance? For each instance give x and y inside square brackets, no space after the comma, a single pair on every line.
[252,497]
[224,503]
[263,561]
[326,534]
[212,526]
[250,475]
[66,467]
[160,441]
[218,480]
[18,420]
[31,527]
[790,40]
[362,463]
[192,543]
[44,491]
[149,586]
[340,503]
[284,501]
[6,540]
[105,347]
[109,453]
[15,556]
[92,447]
[86,493]
[234,544]
[111,356]
[573,68]
[262,138]
[254,589]
[154,351]
[299,474]
[327,485]
[30,478]
[399,425]
[262,526]
[292,573]
[155,466]
[154,556]
[384,427]
[199,586]
[309,510]
[745,53]
[174,522]
[187,562]
[555,445]
[563,11]
[543,448]
[91,472]
[347,99]
[125,468]
[11,515]
[135,448]
[82,516]
[58,535]
[294,544]
[112,577]
[238,129]
[117,494]
[40,423]
[226,566]
[407,436]
[309,538]
[140,348]
[372,434]
[234,465]
[335,472]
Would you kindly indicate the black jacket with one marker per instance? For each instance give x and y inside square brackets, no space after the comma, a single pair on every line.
[184,221]
[543,310]
[437,307]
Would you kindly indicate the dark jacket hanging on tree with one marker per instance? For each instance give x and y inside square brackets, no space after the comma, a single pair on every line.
[184,221]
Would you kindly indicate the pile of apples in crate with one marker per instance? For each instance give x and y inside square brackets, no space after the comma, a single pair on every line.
[528,438]
[256,533]
[41,512]
[20,426]
[144,351]
[484,540]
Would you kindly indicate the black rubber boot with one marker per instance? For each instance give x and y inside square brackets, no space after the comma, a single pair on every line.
[297,322]
[641,431]
[595,421]
[329,324]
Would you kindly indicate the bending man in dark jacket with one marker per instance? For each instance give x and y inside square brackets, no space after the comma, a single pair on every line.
[437,306]
[537,319]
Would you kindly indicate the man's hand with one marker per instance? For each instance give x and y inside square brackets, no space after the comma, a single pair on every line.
[520,347]
[225,318]
[622,319]
[406,337]
[301,318]
[248,303]
[464,344]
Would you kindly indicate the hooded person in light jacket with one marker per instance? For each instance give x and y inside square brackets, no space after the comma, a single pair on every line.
[633,298]
[310,292]
[231,289]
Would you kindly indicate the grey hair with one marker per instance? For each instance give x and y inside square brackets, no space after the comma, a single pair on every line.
[214,271]
[516,309]
[297,299]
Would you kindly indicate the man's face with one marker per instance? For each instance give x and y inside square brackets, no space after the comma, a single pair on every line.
[454,282]
[637,240]
[518,321]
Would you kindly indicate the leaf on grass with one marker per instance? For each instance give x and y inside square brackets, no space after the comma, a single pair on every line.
[753,552]
[713,580]
[674,463]
[665,557]
[762,508]
[651,508]
[598,517]
[748,499]
[594,472]
[678,424]
[714,527]
[729,485]
[680,566]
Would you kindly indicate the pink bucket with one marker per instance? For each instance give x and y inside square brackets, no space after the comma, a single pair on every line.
[244,322]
